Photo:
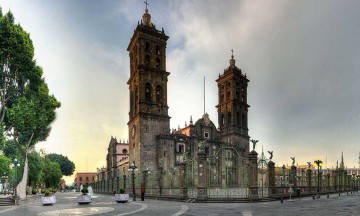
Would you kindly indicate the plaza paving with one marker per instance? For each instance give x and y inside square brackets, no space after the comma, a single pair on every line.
[105,205]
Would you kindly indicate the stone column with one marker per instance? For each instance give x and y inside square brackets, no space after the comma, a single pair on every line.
[293,175]
[271,176]
[253,175]
[202,167]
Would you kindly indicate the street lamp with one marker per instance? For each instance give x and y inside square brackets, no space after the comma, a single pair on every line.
[15,164]
[319,164]
[4,177]
[283,169]
[132,169]
[146,171]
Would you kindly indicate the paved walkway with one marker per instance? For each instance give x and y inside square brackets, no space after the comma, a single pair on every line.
[105,205]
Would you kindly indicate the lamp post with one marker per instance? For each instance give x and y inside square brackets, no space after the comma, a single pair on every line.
[4,177]
[15,164]
[133,168]
[283,169]
[319,164]
[146,171]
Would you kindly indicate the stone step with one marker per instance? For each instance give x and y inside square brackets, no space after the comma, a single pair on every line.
[6,202]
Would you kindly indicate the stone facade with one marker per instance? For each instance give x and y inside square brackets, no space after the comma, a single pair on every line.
[153,146]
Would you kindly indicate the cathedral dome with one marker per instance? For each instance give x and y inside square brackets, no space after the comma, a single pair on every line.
[147,18]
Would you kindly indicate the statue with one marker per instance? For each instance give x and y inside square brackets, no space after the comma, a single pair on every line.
[293,161]
[254,143]
[271,154]
[309,165]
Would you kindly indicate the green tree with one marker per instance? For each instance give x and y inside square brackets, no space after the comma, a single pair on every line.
[4,165]
[26,107]
[36,165]
[67,166]
[51,174]
[16,62]
[9,149]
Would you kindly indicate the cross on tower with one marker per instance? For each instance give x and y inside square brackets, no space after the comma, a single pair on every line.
[232,53]
[146,4]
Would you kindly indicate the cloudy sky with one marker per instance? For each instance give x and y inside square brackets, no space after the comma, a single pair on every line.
[302,59]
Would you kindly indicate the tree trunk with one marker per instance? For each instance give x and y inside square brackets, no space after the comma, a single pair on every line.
[21,187]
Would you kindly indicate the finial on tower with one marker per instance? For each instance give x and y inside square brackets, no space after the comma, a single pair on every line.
[147,17]
[232,60]
[146,4]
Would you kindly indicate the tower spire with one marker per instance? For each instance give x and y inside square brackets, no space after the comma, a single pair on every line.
[232,60]
[342,160]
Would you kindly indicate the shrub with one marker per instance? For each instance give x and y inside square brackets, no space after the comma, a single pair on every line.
[121,191]
[33,191]
[47,193]
[84,190]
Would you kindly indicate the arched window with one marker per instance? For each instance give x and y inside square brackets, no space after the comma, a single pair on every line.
[124,151]
[148,92]
[158,62]
[229,118]
[159,94]
[158,50]
[147,47]
[147,60]
[222,120]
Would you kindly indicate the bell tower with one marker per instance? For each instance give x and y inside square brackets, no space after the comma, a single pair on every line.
[233,108]
[148,115]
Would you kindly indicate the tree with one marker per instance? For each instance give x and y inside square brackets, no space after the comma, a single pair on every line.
[9,149]
[36,165]
[4,165]
[16,61]
[51,174]
[26,108]
[67,166]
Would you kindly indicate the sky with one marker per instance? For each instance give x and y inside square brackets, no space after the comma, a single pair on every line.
[301,57]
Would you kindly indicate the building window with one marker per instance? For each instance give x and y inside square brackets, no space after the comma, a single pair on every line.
[148,92]
[81,179]
[158,50]
[181,148]
[147,47]
[206,135]
[207,150]
[124,151]
[164,153]
[87,178]
[159,94]
[158,62]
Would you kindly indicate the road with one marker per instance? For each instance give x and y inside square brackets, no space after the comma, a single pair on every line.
[105,205]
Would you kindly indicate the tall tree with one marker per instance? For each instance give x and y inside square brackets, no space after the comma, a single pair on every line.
[36,165]
[26,107]
[16,61]
[52,174]
[66,165]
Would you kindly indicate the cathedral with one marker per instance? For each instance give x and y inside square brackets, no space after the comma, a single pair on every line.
[198,155]
[151,143]
[199,162]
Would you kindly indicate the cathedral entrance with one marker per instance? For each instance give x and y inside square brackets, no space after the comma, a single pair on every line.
[227,174]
